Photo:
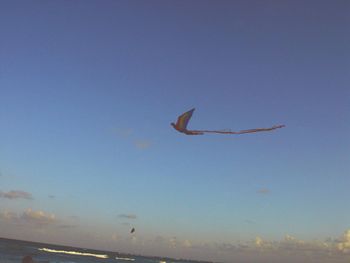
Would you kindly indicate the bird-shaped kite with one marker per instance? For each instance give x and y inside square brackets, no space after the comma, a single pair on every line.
[182,121]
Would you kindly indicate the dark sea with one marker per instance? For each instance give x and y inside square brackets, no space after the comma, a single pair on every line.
[12,251]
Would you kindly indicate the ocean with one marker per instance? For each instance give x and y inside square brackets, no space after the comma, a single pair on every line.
[12,251]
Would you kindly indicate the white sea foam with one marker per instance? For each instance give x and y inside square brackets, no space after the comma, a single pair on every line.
[128,259]
[73,253]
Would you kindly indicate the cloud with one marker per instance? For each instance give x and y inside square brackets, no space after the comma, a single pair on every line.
[143,144]
[173,242]
[128,216]
[37,217]
[223,246]
[343,244]
[31,217]
[16,194]
[289,245]
[6,215]
[258,242]
[263,191]
[288,249]
[187,244]
[65,226]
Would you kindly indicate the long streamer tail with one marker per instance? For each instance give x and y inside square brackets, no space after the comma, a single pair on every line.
[240,132]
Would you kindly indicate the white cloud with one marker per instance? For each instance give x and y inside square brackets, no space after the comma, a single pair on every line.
[128,216]
[187,244]
[38,217]
[7,215]
[296,250]
[258,242]
[16,194]
[173,242]
[30,217]
[344,243]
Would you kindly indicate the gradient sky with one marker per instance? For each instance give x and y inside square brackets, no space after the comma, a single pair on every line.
[87,93]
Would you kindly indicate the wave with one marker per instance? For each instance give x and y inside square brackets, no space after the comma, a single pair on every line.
[128,259]
[73,253]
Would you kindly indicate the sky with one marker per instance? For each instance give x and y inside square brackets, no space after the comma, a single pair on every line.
[88,90]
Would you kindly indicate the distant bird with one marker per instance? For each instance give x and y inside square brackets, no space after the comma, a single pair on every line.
[182,121]
[132,230]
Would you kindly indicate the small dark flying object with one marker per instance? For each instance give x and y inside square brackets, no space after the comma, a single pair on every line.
[182,121]
[132,230]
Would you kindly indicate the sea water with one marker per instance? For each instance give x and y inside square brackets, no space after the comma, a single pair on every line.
[12,251]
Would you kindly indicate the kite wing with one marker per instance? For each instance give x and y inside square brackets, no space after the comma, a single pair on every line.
[244,131]
[183,120]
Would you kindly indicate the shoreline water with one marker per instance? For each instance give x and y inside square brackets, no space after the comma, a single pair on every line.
[13,250]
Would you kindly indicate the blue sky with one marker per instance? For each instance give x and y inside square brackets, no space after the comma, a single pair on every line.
[88,91]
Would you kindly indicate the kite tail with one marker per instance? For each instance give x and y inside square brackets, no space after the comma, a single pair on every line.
[240,132]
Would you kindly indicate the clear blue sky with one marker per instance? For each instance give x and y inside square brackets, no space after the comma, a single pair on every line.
[87,93]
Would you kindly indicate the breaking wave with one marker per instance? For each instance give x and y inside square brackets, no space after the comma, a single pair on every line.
[73,253]
[127,259]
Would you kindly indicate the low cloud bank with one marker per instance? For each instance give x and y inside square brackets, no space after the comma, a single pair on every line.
[16,194]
